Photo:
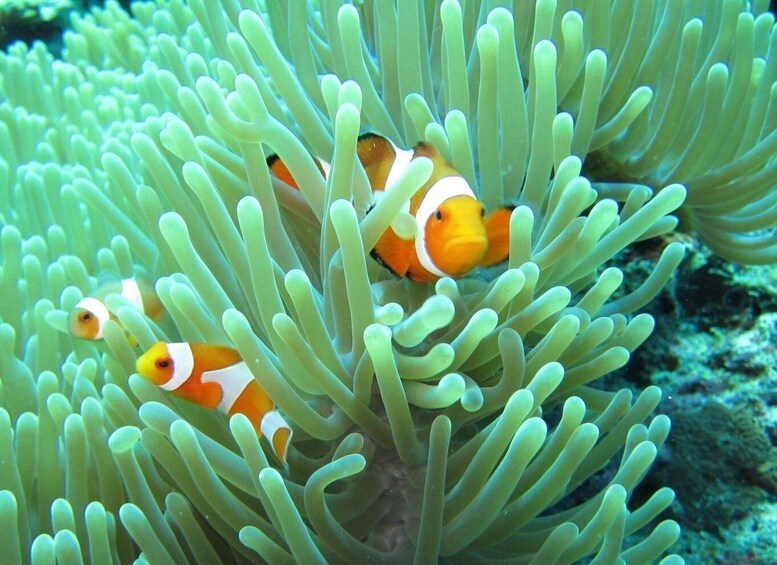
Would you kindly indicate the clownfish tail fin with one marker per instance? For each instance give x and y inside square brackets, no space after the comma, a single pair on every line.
[498,233]
[279,169]
[278,433]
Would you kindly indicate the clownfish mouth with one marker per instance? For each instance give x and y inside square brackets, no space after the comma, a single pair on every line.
[466,243]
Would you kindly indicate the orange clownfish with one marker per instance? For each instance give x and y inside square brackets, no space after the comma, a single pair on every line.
[453,234]
[215,376]
[88,317]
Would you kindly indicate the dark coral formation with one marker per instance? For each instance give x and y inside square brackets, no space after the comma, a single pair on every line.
[720,463]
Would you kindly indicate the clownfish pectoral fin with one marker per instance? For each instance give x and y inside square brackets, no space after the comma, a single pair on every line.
[278,433]
[393,252]
[498,233]
[279,170]
[207,395]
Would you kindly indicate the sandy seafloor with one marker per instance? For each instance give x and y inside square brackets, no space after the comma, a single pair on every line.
[714,354]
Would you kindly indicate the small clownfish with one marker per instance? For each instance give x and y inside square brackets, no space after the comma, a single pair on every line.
[88,317]
[453,235]
[215,376]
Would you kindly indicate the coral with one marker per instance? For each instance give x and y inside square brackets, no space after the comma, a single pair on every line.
[420,411]
[731,459]
[702,355]
[28,20]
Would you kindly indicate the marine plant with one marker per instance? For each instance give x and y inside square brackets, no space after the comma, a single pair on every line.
[455,419]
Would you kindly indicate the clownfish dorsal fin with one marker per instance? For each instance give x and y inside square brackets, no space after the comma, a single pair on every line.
[376,154]
[423,149]
[442,168]
[211,356]
[393,252]
[498,234]
[373,148]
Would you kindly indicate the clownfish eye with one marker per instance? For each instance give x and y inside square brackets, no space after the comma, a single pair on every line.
[482,212]
[438,215]
[163,363]
[85,316]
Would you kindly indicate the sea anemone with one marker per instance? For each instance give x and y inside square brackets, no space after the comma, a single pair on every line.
[453,419]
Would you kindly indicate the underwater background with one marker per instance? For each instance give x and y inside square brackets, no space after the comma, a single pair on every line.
[520,414]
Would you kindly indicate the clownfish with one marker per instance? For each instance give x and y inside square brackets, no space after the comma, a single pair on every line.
[88,317]
[215,376]
[453,234]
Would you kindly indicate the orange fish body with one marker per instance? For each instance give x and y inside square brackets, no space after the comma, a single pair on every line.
[88,317]
[216,377]
[453,235]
